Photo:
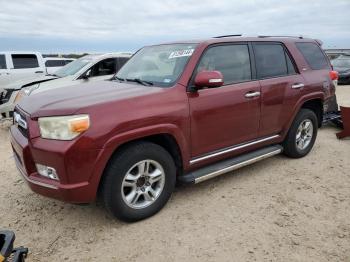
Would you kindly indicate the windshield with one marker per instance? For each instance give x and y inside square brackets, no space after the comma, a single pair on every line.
[341,62]
[73,67]
[157,65]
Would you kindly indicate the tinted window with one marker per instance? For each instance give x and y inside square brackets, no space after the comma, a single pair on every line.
[313,55]
[68,61]
[105,67]
[2,62]
[122,61]
[270,60]
[54,63]
[24,61]
[231,60]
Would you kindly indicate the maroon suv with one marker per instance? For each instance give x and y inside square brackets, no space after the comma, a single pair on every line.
[184,111]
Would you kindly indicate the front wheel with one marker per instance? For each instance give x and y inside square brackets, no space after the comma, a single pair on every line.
[138,181]
[301,135]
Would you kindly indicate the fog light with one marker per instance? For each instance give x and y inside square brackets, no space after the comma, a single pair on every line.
[47,171]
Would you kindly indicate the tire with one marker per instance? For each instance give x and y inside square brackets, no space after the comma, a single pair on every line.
[124,181]
[293,144]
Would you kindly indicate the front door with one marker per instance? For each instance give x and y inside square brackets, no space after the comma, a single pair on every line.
[228,115]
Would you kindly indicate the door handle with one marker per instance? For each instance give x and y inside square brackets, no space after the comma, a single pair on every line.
[39,72]
[252,94]
[297,86]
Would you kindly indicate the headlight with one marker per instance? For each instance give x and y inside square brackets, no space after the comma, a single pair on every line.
[29,89]
[18,97]
[63,127]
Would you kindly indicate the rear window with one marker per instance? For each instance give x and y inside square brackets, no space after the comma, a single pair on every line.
[24,61]
[313,55]
[271,60]
[2,62]
[54,63]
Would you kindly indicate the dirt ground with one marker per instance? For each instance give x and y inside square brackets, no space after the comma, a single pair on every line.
[275,210]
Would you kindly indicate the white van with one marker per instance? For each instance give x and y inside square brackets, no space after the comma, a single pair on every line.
[52,64]
[17,65]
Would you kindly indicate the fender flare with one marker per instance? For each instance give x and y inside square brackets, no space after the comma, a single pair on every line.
[122,138]
[312,96]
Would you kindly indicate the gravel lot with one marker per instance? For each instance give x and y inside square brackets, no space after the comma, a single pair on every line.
[275,210]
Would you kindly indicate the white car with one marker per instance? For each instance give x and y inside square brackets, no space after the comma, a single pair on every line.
[20,65]
[52,64]
[86,69]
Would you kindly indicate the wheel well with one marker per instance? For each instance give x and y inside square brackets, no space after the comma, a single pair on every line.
[166,141]
[315,105]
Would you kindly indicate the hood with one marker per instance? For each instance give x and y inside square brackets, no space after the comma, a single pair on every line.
[55,83]
[29,81]
[68,100]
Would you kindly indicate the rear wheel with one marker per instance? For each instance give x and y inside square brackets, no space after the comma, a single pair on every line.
[138,181]
[302,134]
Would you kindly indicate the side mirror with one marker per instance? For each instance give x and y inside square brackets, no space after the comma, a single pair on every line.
[86,75]
[208,79]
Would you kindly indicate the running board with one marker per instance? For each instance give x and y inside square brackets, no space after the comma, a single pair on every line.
[228,165]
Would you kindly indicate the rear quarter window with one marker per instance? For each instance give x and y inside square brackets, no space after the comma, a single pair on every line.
[24,61]
[2,62]
[313,56]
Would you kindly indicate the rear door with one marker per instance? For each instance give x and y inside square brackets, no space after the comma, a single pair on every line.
[25,66]
[280,86]
[225,116]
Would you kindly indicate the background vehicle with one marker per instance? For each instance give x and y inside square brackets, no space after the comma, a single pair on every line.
[342,66]
[20,65]
[52,64]
[86,69]
[186,111]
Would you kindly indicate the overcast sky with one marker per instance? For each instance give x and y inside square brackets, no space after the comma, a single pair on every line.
[101,25]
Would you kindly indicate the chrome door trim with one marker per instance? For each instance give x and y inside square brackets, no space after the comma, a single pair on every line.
[236,166]
[230,149]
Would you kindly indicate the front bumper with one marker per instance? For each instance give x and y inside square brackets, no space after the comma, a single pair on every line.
[7,103]
[74,168]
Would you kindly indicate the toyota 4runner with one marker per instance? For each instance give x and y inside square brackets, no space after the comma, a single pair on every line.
[184,111]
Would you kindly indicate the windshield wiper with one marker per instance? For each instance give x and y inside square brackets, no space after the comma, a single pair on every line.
[136,80]
[52,75]
[142,82]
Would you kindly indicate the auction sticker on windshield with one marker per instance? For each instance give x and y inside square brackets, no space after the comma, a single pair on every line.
[181,53]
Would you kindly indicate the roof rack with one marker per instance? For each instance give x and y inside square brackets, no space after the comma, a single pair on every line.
[222,36]
[291,36]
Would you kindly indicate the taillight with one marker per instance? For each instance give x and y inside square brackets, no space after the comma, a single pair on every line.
[333,75]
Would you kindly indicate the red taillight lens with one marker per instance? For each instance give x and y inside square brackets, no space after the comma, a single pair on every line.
[333,75]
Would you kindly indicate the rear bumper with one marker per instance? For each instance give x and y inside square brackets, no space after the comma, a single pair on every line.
[74,185]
